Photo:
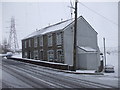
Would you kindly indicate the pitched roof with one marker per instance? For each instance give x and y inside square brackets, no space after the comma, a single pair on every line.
[55,27]
[86,49]
[51,28]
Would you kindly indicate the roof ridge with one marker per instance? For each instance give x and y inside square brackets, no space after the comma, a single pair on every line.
[61,23]
[55,24]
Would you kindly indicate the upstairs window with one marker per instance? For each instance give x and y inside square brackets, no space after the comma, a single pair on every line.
[35,41]
[50,40]
[25,44]
[41,41]
[59,38]
[29,43]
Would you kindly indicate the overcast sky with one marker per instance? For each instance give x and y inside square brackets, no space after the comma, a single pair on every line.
[29,16]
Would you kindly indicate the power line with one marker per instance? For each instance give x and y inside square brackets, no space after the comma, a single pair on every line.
[99,14]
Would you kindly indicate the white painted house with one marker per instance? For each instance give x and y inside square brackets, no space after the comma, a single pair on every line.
[87,47]
[57,44]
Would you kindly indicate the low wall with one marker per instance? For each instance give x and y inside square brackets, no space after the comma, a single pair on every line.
[44,63]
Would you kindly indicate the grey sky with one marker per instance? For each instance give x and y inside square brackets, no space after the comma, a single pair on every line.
[32,15]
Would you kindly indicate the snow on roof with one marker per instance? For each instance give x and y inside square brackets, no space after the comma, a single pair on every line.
[52,28]
[88,49]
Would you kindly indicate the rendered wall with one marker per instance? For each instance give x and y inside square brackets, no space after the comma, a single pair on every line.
[82,61]
[92,61]
[86,37]
[68,45]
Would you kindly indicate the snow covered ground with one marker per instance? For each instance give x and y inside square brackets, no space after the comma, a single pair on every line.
[17,55]
[112,59]
[107,79]
[85,71]
[16,83]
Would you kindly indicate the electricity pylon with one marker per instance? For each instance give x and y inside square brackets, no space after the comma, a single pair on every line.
[12,41]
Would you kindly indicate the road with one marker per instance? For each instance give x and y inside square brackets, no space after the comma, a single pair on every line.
[17,74]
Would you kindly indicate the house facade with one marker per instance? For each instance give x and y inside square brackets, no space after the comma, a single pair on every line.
[55,44]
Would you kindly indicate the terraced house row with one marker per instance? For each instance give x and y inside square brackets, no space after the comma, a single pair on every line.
[45,47]
[55,44]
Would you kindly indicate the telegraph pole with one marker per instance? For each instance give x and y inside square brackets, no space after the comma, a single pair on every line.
[104,51]
[75,38]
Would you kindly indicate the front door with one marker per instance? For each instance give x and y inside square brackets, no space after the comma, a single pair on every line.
[29,54]
[41,55]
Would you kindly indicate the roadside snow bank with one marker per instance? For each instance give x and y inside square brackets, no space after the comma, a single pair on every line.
[17,55]
[85,71]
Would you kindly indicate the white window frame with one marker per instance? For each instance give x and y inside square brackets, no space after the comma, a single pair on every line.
[50,41]
[59,38]
[25,43]
[41,40]
[50,55]
[35,42]
[29,43]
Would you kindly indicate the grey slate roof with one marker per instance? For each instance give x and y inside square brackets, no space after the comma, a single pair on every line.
[54,27]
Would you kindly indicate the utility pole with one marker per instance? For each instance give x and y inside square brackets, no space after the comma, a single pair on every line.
[75,38]
[104,51]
